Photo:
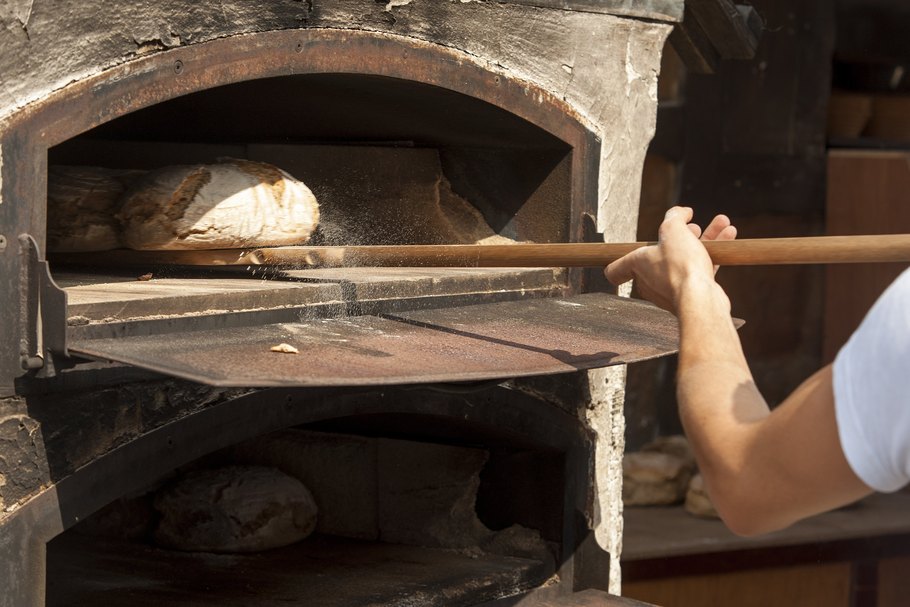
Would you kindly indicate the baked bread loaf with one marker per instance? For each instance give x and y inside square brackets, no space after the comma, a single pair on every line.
[675,444]
[234,509]
[234,204]
[650,478]
[697,500]
[81,205]
[659,473]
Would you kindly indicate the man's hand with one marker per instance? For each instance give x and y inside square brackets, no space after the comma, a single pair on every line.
[763,469]
[661,272]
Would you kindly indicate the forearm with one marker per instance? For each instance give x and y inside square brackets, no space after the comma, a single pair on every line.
[707,333]
[720,406]
[763,470]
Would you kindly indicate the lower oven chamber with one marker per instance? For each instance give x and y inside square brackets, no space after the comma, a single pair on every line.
[440,124]
[425,498]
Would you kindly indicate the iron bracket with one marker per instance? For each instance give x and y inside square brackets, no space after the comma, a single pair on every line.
[43,312]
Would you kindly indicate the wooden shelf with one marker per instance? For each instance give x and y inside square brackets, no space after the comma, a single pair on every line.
[665,540]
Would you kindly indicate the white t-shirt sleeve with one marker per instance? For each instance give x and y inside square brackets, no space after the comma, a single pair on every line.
[872,392]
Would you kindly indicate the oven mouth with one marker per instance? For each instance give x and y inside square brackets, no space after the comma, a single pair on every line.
[377,152]
[389,162]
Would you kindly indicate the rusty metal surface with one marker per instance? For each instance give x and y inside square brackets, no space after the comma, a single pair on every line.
[470,343]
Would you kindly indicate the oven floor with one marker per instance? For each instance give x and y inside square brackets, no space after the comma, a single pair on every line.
[123,296]
[322,570]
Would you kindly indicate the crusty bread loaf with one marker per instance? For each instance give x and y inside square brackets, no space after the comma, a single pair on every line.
[675,444]
[650,478]
[81,205]
[697,500]
[232,204]
[659,473]
[234,509]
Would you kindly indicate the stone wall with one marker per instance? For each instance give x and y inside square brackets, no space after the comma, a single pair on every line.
[604,67]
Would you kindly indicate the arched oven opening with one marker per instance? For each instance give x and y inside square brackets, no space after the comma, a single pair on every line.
[390,161]
[405,143]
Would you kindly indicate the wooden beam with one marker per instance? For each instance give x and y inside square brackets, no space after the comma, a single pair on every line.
[728,26]
[693,46]
[712,30]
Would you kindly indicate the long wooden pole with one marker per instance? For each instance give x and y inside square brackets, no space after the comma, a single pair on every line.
[821,249]
[744,252]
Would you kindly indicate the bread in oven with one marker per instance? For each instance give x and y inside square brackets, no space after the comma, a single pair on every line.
[234,509]
[81,205]
[233,204]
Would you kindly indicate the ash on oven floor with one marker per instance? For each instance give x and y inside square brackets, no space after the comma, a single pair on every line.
[322,570]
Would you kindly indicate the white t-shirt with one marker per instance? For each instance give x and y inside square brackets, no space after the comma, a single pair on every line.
[872,392]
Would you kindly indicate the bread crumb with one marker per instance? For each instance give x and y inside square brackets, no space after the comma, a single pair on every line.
[284,349]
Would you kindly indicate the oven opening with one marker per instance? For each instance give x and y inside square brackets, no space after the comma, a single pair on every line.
[407,509]
[389,161]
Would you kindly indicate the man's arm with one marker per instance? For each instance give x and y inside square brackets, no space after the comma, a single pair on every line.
[763,470]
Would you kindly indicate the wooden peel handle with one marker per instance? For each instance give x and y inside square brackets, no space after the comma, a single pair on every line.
[764,251]
[807,250]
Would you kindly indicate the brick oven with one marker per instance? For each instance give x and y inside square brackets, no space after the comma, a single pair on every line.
[486,403]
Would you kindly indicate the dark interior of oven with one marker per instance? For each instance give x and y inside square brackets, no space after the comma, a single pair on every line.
[389,161]
[413,510]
